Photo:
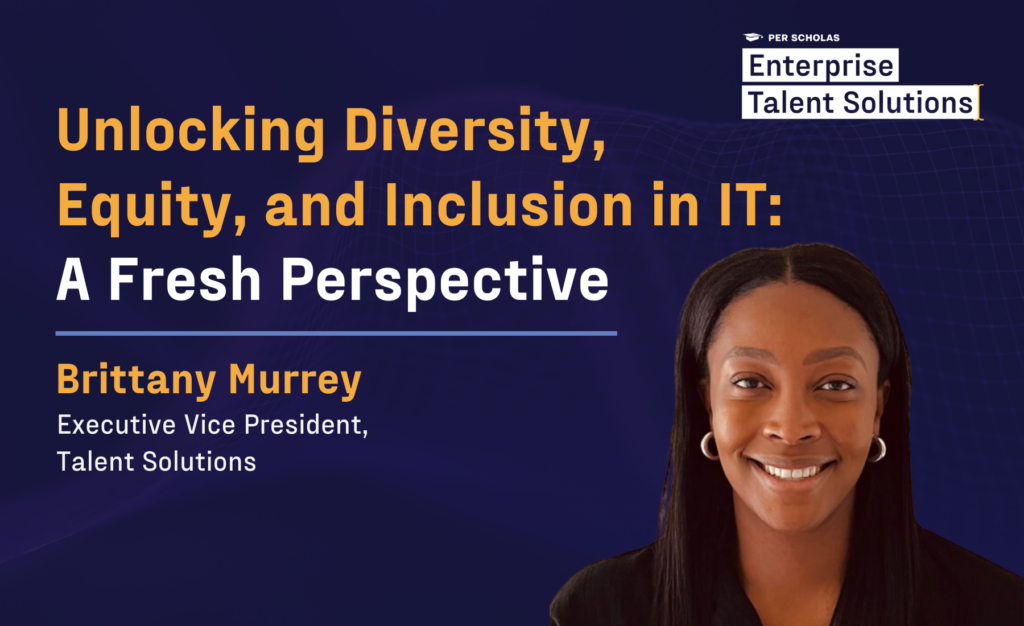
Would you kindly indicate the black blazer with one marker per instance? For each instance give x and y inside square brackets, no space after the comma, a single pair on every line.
[957,588]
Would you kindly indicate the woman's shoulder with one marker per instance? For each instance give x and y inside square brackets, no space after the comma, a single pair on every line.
[958,580]
[612,592]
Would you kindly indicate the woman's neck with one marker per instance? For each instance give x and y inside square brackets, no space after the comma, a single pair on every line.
[793,578]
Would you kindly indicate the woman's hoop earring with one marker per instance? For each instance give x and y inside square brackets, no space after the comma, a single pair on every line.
[705,446]
[881,450]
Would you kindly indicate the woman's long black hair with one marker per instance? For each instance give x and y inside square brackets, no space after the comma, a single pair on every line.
[878,587]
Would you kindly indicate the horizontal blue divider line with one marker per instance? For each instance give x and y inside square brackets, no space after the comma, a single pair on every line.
[337,333]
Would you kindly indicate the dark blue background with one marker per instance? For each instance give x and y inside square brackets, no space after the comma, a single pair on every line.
[497,467]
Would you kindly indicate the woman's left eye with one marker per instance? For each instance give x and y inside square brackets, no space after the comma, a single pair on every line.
[837,385]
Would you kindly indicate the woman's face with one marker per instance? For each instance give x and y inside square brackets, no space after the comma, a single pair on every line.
[793,402]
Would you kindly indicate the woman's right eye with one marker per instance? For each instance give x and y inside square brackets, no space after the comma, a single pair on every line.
[748,383]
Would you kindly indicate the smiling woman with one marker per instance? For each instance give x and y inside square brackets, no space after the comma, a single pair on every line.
[788,498]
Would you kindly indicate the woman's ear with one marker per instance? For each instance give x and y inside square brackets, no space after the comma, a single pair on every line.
[705,396]
[883,397]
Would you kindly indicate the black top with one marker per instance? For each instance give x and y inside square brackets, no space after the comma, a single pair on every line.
[958,588]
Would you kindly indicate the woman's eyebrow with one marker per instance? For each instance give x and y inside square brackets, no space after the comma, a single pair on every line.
[752,353]
[830,353]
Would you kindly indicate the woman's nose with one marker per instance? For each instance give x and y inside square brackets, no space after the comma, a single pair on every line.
[791,418]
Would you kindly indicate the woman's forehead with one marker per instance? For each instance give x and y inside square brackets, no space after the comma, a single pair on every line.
[792,321]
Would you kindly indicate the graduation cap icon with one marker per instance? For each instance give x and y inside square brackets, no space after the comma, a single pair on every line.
[752,36]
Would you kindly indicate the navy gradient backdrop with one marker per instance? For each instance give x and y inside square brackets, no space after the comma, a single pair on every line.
[497,467]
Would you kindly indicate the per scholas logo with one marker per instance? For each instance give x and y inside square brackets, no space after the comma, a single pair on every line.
[752,36]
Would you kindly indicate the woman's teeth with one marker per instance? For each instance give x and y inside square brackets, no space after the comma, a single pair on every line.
[792,474]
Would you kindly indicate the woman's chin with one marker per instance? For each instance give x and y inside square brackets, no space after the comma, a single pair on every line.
[790,517]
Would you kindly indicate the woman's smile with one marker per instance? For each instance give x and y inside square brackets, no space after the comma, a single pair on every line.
[792,475]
